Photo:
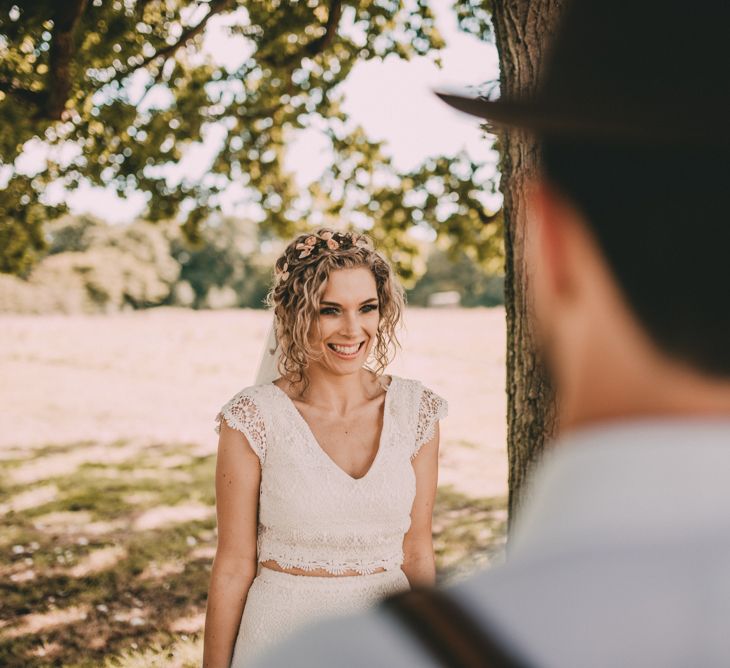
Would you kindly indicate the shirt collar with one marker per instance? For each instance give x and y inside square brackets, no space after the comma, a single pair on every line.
[639,480]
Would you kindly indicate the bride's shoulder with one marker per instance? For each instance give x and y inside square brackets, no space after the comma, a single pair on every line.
[422,394]
[410,383]
[252,395]
[421,407]
[244,412]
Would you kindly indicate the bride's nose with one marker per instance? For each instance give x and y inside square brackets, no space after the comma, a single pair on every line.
[350,324]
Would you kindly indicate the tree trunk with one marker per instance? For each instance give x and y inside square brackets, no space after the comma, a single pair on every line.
[522,29]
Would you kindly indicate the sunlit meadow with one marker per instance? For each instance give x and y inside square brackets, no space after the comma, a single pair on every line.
[107,497]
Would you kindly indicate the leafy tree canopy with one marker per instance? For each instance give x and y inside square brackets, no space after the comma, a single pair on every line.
[83,79]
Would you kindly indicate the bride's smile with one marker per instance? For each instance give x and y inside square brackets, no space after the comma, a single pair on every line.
[346,351]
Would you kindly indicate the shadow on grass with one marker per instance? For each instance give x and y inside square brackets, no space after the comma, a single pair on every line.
[469,533]
[114,571]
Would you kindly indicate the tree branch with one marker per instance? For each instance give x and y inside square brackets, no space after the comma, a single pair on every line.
[216,6]
[32,97]
[65,21]
[141,6]
[333,19]
[316,46]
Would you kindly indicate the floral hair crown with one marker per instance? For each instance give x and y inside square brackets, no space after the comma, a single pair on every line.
[324,241]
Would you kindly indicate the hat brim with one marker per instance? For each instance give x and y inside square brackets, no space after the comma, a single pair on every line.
[496,111]
[635,125]
[534,116]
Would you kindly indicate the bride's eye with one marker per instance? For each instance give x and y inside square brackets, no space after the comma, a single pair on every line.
[369,307]
[328,310]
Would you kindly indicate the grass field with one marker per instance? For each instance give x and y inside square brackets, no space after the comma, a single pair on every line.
[107,455]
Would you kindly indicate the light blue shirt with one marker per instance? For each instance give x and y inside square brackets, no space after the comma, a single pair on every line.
[620,557]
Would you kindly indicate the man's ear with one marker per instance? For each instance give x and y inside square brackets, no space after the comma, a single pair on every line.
[549,213]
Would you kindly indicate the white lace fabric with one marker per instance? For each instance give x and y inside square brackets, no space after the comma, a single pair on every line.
[314,515]
[242,413]
[278,604]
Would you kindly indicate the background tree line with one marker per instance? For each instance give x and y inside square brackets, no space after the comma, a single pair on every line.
[90,266]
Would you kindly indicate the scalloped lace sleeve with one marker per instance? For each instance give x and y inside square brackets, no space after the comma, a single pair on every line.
[432,408]
[242,413]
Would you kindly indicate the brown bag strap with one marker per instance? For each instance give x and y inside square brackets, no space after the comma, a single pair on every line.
[448,631]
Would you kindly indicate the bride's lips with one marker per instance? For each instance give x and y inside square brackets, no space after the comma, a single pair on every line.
[345,355]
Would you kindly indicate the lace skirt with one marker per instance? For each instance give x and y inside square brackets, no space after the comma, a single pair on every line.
[279,603]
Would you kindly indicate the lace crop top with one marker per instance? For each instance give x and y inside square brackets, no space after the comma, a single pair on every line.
[312,514]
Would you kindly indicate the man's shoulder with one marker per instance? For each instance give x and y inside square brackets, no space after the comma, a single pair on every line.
[631,605]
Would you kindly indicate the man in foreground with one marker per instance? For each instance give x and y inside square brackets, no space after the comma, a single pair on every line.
[620,555]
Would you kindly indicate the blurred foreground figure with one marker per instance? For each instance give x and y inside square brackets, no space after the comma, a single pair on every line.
[620,555]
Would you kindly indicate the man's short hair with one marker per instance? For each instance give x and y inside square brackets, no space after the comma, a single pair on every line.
[660,217]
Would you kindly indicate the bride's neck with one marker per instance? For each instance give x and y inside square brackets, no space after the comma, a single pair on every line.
[339,393]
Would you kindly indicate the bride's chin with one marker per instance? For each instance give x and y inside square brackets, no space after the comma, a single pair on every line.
[339,367]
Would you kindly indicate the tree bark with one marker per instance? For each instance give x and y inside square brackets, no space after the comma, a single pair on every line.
[522,29]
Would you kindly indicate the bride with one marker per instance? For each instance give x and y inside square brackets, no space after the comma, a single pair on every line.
[323,507]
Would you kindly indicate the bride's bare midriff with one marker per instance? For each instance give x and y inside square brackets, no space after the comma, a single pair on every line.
[317,571]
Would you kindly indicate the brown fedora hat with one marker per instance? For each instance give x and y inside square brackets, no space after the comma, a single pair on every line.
[653,71]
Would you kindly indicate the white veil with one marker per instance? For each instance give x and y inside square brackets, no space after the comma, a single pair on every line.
[268,365]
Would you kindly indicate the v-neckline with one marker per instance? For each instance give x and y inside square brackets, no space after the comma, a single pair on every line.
[320,449]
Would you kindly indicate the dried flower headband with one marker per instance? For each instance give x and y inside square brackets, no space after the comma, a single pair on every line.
[323,241]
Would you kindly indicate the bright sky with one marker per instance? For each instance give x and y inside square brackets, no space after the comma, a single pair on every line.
[392,100]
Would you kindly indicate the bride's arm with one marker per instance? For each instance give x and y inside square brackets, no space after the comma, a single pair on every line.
[418,557]
[237,480]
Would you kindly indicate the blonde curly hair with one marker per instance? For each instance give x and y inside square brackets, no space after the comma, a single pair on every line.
[301,274]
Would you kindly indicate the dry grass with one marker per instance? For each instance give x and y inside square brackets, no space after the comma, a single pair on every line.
[107,521]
